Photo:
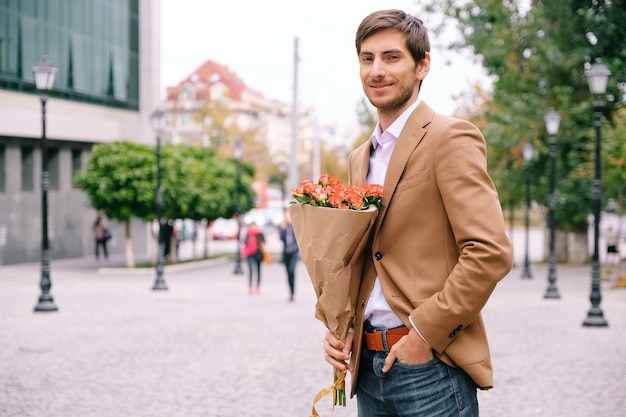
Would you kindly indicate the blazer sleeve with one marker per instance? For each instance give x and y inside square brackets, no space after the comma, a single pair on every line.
[475,218]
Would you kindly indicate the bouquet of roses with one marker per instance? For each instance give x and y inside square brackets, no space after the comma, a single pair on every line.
[329,192]
[332,223]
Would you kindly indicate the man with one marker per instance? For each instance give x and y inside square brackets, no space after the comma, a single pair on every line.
[612,246]
[290,251]
[438,247]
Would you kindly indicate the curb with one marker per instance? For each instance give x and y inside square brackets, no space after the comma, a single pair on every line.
[168,268]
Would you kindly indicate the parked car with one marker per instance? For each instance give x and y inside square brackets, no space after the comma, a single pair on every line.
[256,215]
[274,215]
[224,229]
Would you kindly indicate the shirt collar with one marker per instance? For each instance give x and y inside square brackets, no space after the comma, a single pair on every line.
[379,138]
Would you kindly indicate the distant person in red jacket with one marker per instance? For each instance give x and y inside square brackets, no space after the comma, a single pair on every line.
[253,252]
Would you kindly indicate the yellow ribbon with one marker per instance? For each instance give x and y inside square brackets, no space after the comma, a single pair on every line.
[338,384]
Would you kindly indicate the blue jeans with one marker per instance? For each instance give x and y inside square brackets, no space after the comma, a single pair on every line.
[290,260]
[431,389]
[254,266]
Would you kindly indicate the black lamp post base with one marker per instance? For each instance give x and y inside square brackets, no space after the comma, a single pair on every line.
[46,303]
[595,318]
[552,293]
[160,286]
[238,269]
[526,274]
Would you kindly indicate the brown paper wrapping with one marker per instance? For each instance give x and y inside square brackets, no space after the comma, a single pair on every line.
[332,243]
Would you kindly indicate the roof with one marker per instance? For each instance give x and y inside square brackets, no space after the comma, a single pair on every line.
[205,78]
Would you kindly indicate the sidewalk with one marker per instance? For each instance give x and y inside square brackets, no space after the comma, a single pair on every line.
[207,348]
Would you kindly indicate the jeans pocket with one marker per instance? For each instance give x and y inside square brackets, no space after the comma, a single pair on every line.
[417,366]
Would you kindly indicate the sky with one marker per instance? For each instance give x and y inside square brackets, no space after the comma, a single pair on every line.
[255,39]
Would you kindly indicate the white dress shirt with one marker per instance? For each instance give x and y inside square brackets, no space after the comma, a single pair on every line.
[377,310]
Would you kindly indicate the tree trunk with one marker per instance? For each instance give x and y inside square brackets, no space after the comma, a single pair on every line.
[173,248]
[154,241]
[206,240]
[561,246]
[128,246]
[194,241]
[578,248]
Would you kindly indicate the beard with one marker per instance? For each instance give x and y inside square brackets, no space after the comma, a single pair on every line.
[391,105]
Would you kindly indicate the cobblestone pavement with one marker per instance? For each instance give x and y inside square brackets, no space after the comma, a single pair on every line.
[207,348]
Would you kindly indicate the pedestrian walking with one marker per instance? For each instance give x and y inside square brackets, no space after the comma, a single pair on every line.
[290,252]
[612,246]
[101,236]
[438,246]
[611,269]
[253,252]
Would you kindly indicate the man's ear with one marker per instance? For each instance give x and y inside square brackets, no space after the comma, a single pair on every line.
[423,67]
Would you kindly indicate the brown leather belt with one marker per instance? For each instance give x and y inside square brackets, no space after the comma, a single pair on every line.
[374,340]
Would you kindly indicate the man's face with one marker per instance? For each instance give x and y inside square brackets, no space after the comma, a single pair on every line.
[389,75]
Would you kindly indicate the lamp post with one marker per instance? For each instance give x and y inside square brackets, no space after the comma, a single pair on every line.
[156,119]
[598,77]
[552,121]
[527,153]
[282,167]
[44,73]
[238,154]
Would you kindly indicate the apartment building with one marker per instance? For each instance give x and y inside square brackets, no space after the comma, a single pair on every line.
[248,109]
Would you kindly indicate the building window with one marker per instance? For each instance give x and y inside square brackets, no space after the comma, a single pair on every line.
[186,119]
[93,44]
[3,174]
[76,164]
[53,168]
[28,168]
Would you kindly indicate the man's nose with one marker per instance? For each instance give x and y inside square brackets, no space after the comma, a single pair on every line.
[378,69]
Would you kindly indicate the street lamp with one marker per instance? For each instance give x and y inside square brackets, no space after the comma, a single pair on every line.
[282,167]
[552,121]
[527,153]
[156,120]
[598,77]
[238,154]
[44,73]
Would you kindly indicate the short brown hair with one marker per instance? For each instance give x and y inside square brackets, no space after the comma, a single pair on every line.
[416,33]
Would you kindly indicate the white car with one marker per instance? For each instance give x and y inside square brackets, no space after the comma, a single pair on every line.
[224,229]
[256,215]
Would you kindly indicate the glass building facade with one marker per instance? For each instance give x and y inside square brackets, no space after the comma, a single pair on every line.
[93,43]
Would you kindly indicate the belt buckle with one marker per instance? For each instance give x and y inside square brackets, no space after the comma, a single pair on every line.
[376,340]
[379,340]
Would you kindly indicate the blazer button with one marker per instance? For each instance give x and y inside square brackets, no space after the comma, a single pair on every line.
[378,256]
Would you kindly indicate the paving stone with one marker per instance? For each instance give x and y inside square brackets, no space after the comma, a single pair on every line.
[207,348]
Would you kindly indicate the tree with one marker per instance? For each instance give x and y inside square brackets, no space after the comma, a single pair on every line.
[334,162]
[536,59]
[212,115]
[200,185]
[367,121]
[614,159]
[120,181]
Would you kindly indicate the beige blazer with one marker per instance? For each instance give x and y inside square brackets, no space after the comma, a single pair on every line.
[439,246]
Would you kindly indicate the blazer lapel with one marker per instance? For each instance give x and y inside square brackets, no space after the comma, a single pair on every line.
[361,157]
[410,137]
